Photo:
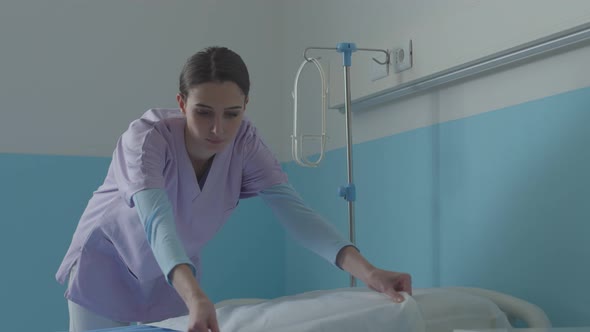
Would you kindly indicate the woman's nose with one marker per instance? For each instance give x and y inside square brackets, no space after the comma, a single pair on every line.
[217,127]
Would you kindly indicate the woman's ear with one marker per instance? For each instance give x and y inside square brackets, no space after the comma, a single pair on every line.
[246,102]
[181,103]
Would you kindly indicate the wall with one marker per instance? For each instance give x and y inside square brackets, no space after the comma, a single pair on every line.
[444,34]
[72,76]
[481,183]
[75,73]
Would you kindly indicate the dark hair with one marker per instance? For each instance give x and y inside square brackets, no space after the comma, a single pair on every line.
[214,64]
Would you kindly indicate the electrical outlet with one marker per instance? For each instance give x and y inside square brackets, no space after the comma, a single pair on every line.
[402,58]
[379,71]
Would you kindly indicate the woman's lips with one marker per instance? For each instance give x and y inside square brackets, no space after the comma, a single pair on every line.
[214,141]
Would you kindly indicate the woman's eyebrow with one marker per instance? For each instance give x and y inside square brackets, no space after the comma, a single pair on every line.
[238,107]
[233,108]
[203,105]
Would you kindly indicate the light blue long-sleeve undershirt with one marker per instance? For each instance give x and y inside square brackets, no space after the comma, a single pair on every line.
[305,225]
[301,222]
[155,213]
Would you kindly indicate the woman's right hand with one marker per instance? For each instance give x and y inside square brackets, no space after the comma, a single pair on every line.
[202,316]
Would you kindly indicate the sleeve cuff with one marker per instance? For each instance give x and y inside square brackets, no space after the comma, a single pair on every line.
[169,266]
[340,247]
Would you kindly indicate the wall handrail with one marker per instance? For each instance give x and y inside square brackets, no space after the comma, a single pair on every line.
[542,46]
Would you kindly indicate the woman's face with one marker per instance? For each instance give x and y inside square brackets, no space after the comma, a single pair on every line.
[214,113]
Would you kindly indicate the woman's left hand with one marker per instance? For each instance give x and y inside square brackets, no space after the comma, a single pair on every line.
[390,283]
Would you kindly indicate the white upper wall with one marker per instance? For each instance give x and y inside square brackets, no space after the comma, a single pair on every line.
[73,74]
[445,34]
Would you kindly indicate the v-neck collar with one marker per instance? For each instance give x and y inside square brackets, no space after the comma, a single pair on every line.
[186,169]
[205,172]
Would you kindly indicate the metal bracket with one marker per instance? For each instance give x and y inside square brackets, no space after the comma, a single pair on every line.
[348,192]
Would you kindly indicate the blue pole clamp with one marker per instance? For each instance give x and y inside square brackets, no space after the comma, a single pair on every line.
[348,192]
[346,49]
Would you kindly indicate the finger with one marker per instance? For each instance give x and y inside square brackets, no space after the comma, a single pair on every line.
[409,287]
[404,284]
[198,328]
[213,325]
[395,296]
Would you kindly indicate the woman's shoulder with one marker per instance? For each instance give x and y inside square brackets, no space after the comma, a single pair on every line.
[158,127]
[156,118]
[247,134]
[247,130]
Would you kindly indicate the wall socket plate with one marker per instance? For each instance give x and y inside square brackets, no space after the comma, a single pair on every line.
[402,58]
[379,71]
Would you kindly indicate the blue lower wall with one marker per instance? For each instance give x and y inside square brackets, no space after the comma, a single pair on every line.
[499,200]
[245,259]
[42,198]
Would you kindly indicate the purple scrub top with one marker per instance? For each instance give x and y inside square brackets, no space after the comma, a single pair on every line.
[117,275]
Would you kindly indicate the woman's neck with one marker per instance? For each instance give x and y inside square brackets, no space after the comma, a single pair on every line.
[200,161]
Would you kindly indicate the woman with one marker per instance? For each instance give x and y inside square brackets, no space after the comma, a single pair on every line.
[175,177]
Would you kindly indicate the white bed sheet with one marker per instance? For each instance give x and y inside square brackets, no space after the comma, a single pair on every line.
[355,309]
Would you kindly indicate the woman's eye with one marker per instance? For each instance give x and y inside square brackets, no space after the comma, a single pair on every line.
[204,112]
[231,115]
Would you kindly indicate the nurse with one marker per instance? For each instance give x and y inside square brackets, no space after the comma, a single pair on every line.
[175,177]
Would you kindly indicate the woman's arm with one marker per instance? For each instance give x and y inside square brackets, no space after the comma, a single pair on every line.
[202,315]
[302,223]
[350,260]
[155,213]
[315,233]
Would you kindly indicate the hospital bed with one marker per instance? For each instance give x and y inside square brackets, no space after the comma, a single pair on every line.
[360,309]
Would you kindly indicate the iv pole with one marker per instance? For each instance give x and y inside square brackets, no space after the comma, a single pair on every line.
[348,191]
